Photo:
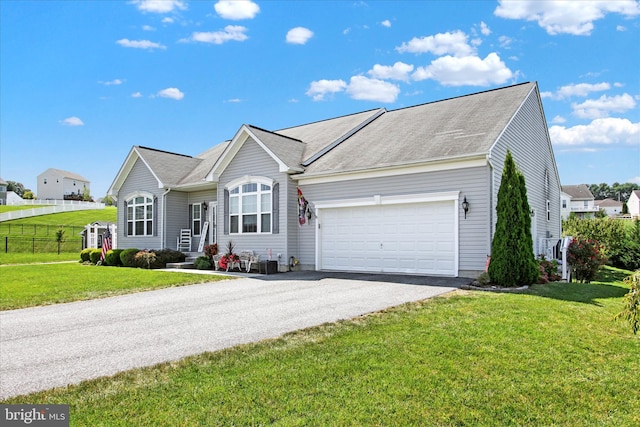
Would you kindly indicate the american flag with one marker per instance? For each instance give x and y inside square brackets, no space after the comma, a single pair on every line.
[106,243]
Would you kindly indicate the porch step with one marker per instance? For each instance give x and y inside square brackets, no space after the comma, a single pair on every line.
[181,265]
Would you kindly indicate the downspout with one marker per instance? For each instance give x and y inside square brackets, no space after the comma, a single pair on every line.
[163,230]
[491,207]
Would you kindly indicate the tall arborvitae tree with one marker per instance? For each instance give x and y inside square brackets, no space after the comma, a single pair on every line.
[512,260]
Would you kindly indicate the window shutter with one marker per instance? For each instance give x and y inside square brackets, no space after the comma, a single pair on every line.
[275,208]
[225,209]
[125,228]
[155,215]
[190,218]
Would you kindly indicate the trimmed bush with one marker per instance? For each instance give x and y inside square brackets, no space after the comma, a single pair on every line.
[548,270]
[94,255]
[164,256]
[145,258]
[631,311]
[85,255]
[203,263]
[112,258]
[127,257]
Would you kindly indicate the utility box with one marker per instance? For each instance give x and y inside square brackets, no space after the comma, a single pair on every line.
[268,267]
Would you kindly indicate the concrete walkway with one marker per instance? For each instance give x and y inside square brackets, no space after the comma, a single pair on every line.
[51,346]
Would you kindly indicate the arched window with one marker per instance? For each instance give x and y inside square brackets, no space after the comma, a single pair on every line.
[140,215]
[250,207]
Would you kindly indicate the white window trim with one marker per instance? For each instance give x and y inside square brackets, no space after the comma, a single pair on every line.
[135,195]
[193,218]
[238,183]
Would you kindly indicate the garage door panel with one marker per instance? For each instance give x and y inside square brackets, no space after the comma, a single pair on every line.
[413,238]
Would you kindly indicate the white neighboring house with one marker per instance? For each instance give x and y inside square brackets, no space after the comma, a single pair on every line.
[633,204]
[610,206]
[579,200]
[56,184]
[3,192]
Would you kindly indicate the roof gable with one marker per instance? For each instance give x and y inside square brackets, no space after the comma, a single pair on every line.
[64,174]
[578,192]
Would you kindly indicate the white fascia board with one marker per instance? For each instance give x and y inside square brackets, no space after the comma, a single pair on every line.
[388,200]
[450,164]
[236,143]
[125,169]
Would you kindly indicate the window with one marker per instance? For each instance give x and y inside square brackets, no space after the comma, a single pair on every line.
[196,218]
[250,208]
[140,216]
[564,204]
[586,203]
[548,210]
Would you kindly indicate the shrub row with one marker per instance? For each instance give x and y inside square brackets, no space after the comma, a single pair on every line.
[133,257]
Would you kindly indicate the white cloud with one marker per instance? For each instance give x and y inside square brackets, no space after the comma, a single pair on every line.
[230,32]
[505,42]
[114,82]
[148,28]
[580,89]
[468,70]
[440,44]
[398,71]
[299,35]
[568,17]
[140,44]
[601,107]
[366,89]
[233,101]
[621,28]
[600,131]
[484,28]
[136,95]
[558,119]
[635,180]
[386,23]
[318,89]
[171,92]
[167,20]
[237,9]
[72,121]
[159,6]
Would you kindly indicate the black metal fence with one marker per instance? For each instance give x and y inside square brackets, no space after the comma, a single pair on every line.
[39,244]
[38,230]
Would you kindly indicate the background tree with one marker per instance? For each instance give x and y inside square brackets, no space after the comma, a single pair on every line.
[512,260]
[86,196]
[108,200]
[59,237]
[16,187]
[616,191]
[28,194]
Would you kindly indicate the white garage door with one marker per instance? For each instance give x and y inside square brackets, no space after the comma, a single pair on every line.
[414,238]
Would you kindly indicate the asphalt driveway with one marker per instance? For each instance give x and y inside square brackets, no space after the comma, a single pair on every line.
[46,347]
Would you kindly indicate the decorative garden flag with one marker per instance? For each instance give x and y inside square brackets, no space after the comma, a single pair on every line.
[302,208]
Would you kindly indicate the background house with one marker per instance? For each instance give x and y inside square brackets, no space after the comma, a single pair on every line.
[610,206]
[56,184]
[3,191]
[578,199]
[375,191]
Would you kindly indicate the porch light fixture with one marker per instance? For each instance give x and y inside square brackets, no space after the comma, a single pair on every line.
[465,207]
[204,206]
[309,214]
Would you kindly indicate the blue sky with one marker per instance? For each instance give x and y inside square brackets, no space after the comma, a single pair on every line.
[82,82]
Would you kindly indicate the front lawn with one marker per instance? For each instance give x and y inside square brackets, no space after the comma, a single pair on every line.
[40,284]
[551,356]
[30,258]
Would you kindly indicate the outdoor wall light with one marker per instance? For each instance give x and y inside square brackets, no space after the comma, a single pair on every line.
[465,207]
[309,214]
[204,206]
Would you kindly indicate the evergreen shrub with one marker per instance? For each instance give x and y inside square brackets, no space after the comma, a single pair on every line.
[112,258]
[127,257]
[95,255]
[85,255]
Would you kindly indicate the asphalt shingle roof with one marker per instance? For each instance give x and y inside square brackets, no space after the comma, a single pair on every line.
[578,192]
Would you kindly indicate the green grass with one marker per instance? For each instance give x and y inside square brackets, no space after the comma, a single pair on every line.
[41,284]
[28,258]
[552,356]
[43,225]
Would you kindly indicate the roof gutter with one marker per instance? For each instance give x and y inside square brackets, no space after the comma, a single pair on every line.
[163,230]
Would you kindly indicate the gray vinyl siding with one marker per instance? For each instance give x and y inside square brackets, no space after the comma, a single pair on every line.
[176,216]
[474,242]
[252,160]
[139,179]
[527,139]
